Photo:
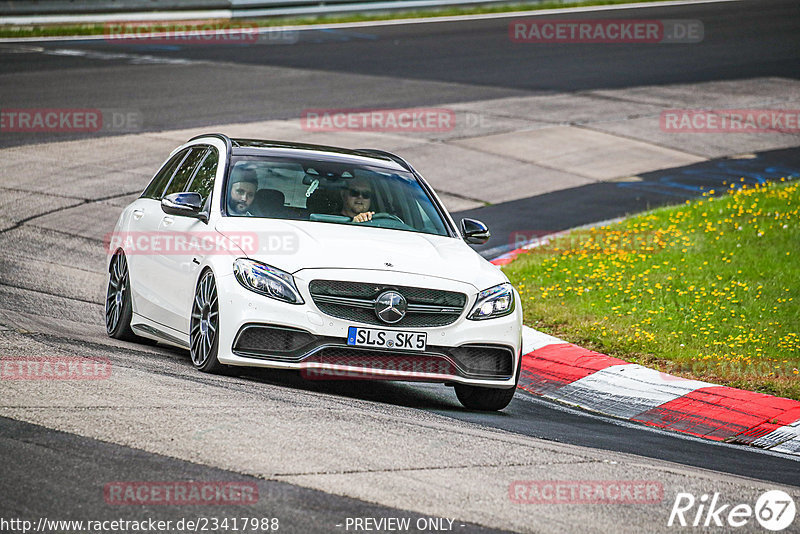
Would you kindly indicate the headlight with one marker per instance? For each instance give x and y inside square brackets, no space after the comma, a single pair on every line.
[266,280]
[494,302]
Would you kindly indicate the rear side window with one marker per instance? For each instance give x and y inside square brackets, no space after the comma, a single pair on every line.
[185,171]
[160,181]
[203,181]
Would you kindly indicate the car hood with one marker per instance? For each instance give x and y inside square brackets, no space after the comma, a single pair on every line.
[296,245]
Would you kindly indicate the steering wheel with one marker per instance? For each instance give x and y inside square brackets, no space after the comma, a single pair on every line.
[384,215]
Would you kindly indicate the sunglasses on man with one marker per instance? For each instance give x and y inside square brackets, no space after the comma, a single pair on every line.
[366,194]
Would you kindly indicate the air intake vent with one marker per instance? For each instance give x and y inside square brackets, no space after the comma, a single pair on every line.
[271,340]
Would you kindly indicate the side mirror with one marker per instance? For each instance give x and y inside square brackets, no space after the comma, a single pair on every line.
[185,205]
[474,232]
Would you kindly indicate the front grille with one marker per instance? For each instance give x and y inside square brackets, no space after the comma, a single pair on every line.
[271,339]
[369,292]
[484,360]
[417,295]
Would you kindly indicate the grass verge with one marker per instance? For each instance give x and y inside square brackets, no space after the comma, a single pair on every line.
[64,30]
[707,290]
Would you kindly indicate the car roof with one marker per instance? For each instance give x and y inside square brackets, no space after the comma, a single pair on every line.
[261,147]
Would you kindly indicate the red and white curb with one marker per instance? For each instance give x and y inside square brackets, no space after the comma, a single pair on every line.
[570,374]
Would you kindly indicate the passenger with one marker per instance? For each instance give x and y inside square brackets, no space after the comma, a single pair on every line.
[356,200]
[242,192]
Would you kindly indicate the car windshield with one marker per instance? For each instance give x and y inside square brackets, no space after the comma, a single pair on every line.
[329,192]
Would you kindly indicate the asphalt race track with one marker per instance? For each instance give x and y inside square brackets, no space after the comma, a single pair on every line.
[391,66]
[322,452]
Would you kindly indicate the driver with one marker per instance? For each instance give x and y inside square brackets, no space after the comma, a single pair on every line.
[243,186]
[356,200]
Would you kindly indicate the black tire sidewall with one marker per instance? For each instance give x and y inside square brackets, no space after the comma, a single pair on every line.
[484,399]
[123,329]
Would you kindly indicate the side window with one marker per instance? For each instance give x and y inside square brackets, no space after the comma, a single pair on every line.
[203,181]
[186,170]
[160,181]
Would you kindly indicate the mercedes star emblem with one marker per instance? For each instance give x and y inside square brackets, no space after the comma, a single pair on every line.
[390,306]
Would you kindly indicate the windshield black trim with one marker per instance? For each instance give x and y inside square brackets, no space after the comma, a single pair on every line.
[397,159]
[440,209]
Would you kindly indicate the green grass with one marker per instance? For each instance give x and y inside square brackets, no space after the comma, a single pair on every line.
[708,290]
[53,30]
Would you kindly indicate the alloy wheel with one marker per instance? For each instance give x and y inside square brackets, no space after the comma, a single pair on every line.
[205,320]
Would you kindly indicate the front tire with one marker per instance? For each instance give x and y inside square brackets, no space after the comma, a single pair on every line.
[204,327]
[484,399]
[119,309]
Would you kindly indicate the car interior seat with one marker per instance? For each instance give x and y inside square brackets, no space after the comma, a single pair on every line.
[270,203]
[326,201]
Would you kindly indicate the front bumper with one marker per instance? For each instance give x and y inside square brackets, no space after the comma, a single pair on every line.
[320,347]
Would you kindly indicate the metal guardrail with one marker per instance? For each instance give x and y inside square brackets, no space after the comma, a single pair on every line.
[85,11]
[80,7]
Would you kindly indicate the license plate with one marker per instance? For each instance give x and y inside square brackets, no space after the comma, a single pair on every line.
[386,339]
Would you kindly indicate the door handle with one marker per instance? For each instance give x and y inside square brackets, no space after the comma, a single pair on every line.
[167,221]
[137,214]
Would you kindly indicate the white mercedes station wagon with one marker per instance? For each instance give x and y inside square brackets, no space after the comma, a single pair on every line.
[342,264]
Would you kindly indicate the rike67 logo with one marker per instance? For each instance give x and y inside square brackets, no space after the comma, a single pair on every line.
[774,510]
